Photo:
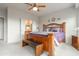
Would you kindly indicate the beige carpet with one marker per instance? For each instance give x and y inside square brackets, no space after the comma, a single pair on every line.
[17,50]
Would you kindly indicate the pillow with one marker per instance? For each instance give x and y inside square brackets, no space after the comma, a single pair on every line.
[54,30]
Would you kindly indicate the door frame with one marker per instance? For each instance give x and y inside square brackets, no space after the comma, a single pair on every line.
[3,26]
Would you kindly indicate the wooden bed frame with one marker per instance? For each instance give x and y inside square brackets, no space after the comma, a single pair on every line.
[56,25]
[48,42]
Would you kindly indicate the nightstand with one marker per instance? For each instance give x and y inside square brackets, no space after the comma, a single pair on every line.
[27,34]
[75,42]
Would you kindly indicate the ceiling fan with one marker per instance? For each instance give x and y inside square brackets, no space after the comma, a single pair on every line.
[35,6]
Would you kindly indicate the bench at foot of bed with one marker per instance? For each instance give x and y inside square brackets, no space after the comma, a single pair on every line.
[37,46]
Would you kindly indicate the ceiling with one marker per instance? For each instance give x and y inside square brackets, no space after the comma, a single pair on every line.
[50,7]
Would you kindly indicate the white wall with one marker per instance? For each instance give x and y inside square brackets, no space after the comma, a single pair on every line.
[14,17]
[67,15]
[77,21]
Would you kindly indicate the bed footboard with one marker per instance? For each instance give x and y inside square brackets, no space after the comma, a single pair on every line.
[48,42]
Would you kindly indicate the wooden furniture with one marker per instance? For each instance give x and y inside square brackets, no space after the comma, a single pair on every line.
[75,42]
[56,25]
[26,35]
[47,41]
[38,46]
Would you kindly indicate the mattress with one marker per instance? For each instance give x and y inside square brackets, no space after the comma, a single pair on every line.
[57,35]
[41,33]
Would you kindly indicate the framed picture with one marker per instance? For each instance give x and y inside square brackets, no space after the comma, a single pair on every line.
[53,19]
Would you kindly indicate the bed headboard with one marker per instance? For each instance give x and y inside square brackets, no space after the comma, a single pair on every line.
[54,26]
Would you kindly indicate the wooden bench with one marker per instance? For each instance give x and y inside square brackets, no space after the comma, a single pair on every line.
[38,46]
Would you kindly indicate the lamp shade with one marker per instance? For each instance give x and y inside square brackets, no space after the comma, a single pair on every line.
[28,22]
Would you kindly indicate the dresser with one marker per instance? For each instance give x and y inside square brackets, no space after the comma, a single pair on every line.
[75,41]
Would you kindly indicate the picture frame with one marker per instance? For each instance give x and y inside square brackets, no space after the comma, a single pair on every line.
[53,19]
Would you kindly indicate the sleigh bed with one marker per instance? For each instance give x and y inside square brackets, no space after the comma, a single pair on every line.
[51,33]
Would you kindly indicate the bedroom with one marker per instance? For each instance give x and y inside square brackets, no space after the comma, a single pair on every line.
[16,15]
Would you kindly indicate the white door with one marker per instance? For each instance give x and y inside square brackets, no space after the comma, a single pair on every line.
[1,29]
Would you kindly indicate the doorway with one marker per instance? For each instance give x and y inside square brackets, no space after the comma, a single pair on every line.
[1,29]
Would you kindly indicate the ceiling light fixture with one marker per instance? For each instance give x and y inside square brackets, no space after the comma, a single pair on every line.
[35,8]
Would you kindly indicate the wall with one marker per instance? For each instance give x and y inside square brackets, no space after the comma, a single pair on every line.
[67,15]
[17,28]
[77,21]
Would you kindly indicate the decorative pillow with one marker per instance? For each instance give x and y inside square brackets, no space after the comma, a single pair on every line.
[54,30]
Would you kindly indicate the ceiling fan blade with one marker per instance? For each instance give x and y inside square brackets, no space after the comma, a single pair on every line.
[29,4]
[30,8]
[41,6]
[34,4]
